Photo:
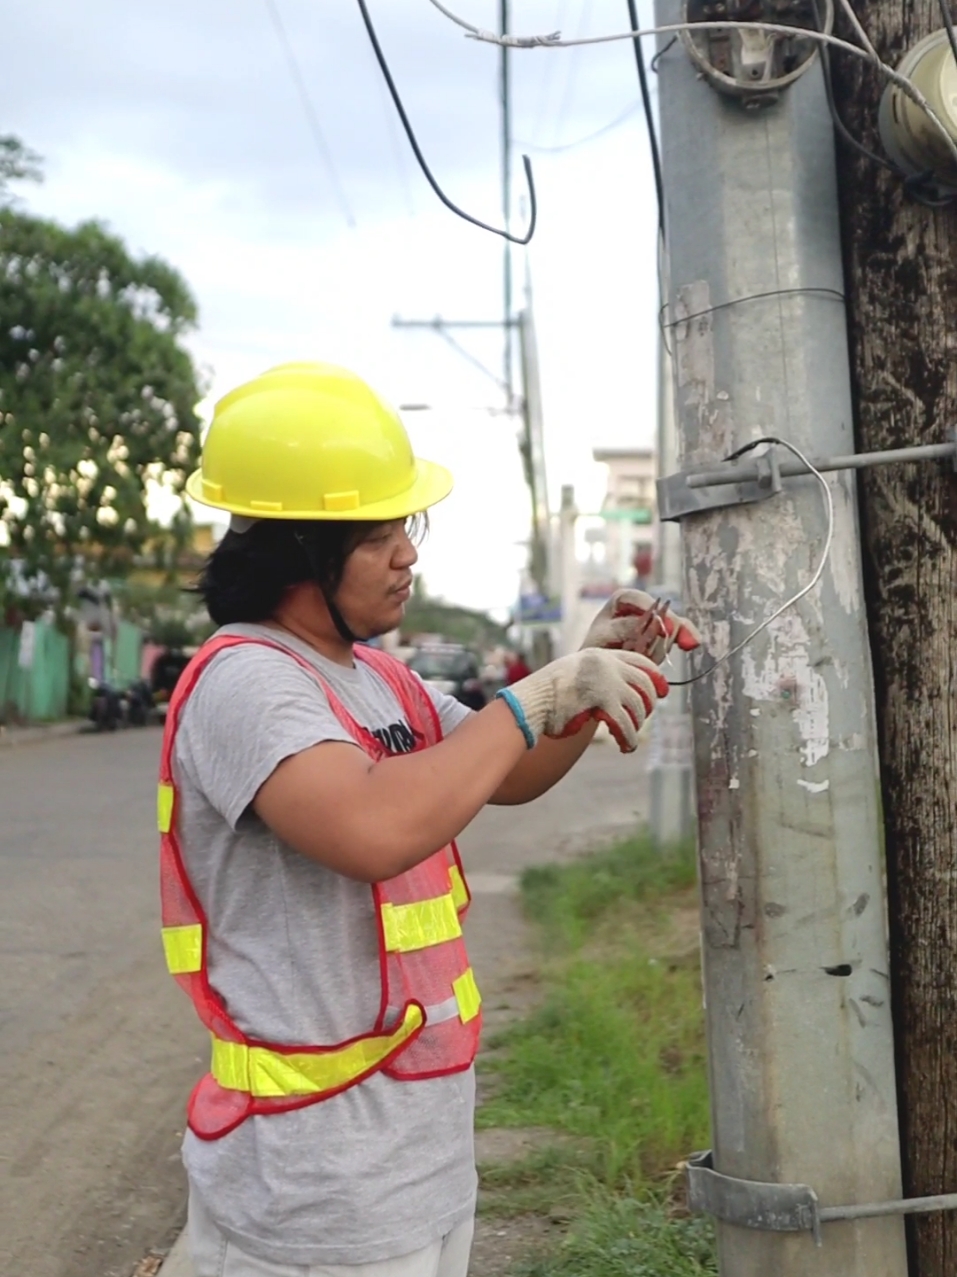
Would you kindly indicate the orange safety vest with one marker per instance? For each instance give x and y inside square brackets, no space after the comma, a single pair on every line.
[429,1013]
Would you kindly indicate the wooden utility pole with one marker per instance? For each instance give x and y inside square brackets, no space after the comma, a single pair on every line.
[901,277]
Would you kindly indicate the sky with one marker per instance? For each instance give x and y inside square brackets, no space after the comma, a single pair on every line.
[179,124]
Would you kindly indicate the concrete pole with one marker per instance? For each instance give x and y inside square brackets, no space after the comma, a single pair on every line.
[671,754]
[570,575]
[794,952]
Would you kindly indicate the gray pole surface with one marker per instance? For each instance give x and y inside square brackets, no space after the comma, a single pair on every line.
[793,936]
[671,757]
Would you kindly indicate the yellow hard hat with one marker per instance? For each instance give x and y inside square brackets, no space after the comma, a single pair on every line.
[312,441]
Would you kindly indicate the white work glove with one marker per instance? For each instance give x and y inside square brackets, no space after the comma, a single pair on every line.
[628,621]
[618,688]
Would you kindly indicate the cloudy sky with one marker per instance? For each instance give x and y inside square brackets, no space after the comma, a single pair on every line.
[178,123]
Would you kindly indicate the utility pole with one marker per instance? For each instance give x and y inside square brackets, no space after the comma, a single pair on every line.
[901,268]
[506,120]
[795,967]
[671,748]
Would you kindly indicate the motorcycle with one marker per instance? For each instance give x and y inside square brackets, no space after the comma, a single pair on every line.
[111,708]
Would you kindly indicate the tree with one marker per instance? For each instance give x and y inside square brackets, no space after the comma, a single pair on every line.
[17,163]
[97,394]
[901,265]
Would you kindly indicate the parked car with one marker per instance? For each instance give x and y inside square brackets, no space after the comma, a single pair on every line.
[451,669]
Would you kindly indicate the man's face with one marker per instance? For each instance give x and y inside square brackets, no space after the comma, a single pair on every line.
[377,580]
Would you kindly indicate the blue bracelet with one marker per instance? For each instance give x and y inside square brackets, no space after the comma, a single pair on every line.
[512,701]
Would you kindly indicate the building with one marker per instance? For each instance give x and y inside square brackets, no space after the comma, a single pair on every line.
[628,512]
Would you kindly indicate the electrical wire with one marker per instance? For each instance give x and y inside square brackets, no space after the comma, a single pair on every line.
[553,40]
[840,127]
[621,118]
[423,165]
[818,572]
[649,120]
[661,53]
[751,297]
[309,110]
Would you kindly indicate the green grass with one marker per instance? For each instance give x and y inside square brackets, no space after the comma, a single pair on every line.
[628,1237]
[614,1061]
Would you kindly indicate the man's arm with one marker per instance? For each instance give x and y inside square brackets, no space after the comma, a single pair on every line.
[371,821]
[542,767]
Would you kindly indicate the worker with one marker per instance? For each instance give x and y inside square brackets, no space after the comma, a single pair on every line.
[311,790]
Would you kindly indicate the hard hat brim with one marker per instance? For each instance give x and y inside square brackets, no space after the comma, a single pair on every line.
[432,484]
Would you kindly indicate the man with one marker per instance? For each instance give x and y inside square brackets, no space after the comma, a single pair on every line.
[311,791]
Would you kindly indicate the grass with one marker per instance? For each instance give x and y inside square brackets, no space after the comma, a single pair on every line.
[613,1062]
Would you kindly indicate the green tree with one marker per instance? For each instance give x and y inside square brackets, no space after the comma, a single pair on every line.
[17,164]
[97,394]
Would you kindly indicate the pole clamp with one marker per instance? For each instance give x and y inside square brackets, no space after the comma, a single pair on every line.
[729,483]
[785,1208]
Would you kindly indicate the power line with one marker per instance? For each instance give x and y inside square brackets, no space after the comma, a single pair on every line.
[649,118]
[309,110]
[621,118]
[423,164]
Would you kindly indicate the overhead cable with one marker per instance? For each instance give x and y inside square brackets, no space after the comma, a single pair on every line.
[649,119]
[423,165]
[621,118]
[553,40]
[309,110]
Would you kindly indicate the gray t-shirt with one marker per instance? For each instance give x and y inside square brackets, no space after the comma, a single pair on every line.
[386,1167]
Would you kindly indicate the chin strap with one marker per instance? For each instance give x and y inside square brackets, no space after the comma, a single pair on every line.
[338,620]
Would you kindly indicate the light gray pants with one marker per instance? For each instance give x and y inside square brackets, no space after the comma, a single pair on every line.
[214,1256]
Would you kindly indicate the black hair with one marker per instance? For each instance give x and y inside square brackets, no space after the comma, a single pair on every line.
[249,573]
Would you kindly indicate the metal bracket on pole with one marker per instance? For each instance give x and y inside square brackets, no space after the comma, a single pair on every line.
[785,1208]
[710,487]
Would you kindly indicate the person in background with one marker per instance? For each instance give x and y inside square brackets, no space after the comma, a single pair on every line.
[516,668]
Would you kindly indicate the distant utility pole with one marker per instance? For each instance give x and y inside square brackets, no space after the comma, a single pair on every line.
[901,268]
[505,92]
[795,965]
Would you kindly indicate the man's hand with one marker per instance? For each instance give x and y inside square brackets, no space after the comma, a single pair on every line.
[618,688]
[631,621]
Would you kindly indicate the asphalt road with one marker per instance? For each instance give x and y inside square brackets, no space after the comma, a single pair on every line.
[98,1047]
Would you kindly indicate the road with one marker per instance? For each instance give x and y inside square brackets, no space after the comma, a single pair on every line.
[98,1047]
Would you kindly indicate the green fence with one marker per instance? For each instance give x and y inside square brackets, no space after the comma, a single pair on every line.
[36,689]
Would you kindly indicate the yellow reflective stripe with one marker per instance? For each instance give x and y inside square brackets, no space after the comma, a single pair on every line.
[460,895]
[164,808]
[467,995]
[184,948]
[266,1074]
[420,925]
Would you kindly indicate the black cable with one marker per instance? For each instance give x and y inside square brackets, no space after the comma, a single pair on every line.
[649,117]
[661,53]
[413,142]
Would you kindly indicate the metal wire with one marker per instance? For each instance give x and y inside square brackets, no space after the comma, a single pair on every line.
[423,165]
[553,40]
[309,110]
[825,555]
[750,297]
